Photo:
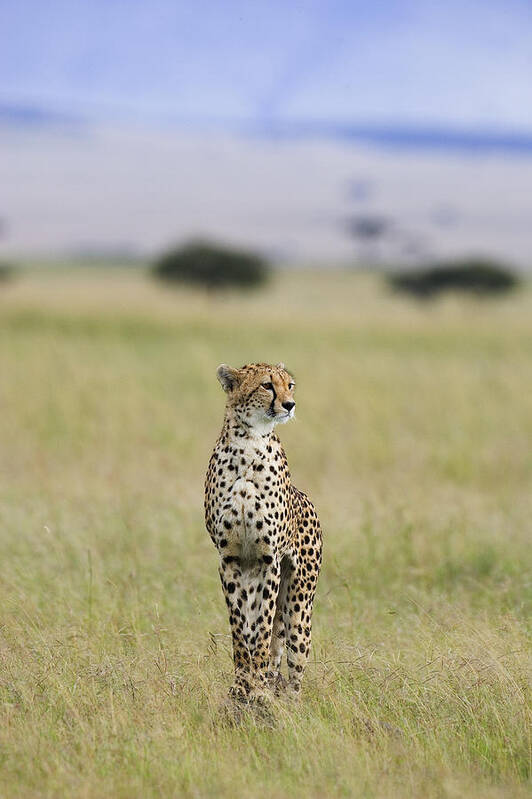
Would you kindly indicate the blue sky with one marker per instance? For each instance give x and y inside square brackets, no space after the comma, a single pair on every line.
[462,65]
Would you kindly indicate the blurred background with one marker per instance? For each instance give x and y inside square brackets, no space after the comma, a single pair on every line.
[126,127]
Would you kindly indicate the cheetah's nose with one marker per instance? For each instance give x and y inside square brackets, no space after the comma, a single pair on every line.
[288,405]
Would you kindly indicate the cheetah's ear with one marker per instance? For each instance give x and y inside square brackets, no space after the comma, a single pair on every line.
[227,376]
[280,365]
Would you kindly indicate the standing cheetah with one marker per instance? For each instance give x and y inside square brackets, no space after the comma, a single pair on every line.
[266,531]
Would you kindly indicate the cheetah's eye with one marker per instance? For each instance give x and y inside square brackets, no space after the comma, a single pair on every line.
[268,386]
[291,386]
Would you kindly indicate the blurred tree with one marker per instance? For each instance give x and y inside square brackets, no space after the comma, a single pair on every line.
[213,266]
[6,272]
[369,230]
[476,276]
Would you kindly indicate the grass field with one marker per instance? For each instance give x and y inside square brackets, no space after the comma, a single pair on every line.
[414,439]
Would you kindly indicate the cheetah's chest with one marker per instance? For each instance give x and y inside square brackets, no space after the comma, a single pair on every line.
[248,506]
[245,515]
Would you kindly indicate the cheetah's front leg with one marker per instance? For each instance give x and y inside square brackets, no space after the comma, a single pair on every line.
[231,577]
[260,586]
[250,594]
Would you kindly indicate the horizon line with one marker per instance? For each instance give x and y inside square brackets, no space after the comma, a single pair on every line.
[388,135]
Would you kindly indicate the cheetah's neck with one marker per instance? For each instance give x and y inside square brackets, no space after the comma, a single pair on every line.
[238,430]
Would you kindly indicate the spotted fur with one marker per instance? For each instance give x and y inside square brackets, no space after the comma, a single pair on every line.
[266,531]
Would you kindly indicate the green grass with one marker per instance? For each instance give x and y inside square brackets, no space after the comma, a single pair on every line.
[413,438]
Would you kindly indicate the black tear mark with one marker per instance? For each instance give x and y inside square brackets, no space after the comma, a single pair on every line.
[272,412]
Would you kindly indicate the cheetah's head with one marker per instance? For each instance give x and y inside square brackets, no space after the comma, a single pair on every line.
[258,394]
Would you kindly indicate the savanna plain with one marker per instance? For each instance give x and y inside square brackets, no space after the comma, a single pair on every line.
[414,439]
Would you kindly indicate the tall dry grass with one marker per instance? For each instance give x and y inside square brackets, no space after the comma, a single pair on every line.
[413,438]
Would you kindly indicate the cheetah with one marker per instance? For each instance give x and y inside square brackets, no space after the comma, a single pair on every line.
[266,532]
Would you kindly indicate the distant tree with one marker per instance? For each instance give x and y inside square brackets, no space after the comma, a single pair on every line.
[369,230]
[212,266]
[369,227]
[475,276]
[6,272]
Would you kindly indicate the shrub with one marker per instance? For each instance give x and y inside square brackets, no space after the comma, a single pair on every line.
[475,276]
[212,266]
